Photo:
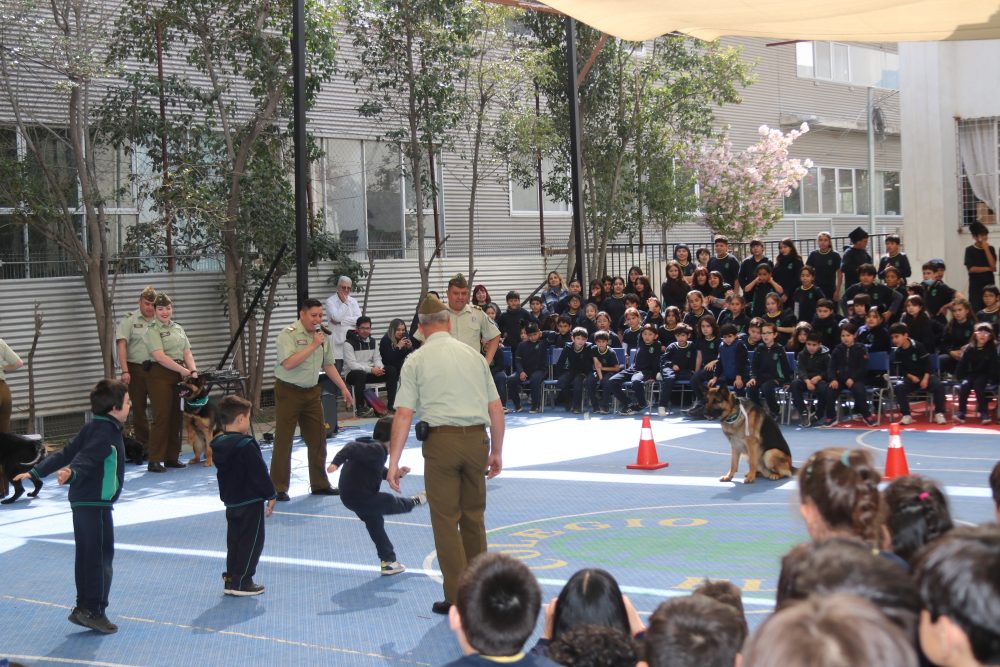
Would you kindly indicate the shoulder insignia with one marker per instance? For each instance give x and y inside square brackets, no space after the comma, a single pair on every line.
[290,328]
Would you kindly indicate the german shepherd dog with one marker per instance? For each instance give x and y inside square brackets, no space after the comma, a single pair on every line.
[18,455]
[751,433]
[135,451]
[199,418]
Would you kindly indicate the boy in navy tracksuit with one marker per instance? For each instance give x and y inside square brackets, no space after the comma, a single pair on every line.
[645,367]
[245,487]
[812,374]
[606,364]
[93,464]
[575,364]
[770,369]
[677,363]
[826,323]
[848,369]
[363,470]
[531,364]
[914,365]
[732,366]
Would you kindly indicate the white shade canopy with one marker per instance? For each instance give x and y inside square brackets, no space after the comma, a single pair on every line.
[847,20]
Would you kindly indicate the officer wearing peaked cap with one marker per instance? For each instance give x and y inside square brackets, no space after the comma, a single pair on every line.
[448,386]
[130,344]
[469,323]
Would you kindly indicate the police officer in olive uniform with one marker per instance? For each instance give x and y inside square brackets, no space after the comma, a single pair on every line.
[130,342]
[449,385]
[172,362]
[469,323]
[303,352]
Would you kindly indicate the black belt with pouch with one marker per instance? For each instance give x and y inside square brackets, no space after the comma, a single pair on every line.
[422,430]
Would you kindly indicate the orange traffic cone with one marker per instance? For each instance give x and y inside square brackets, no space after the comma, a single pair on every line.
[895,460]
[646,459]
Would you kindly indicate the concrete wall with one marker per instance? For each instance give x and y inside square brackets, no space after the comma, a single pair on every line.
[940,83]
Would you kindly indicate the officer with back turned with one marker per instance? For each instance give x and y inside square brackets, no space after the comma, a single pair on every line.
[449,386]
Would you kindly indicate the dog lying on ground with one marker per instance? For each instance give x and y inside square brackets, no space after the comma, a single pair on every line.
[751,433]
[135,451]
[199,418]
[18,455]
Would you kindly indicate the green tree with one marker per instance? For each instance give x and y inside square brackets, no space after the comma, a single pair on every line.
[412,55]
[54,187]
[227,136]
[639,105]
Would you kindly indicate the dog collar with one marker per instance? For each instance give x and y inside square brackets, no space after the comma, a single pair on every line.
[198,402]
[733,418]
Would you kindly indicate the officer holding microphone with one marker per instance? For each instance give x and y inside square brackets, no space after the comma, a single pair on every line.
[303,352]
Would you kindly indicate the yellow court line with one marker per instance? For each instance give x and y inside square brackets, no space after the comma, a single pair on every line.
[228,633]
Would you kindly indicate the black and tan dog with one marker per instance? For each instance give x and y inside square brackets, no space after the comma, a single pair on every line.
[18,455]
[199,418]
[751,433]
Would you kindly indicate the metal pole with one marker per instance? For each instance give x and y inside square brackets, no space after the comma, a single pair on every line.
[871,163]
[301,173]
[574,147]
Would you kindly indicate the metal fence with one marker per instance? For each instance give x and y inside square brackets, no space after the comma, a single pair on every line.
[622,256]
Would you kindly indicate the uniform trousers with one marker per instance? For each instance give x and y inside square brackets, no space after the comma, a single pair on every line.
[244,542]
[455,474]
[94,531]
[372,511]
[138,393]
[164,398]
[295,405]
[5,407]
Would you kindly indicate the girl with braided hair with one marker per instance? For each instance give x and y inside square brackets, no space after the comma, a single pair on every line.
[914,513]
[839,496]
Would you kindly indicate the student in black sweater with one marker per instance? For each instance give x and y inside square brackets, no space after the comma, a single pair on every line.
[806,296]
[977,368]
[855,256]
[363,470]
[645,367]
[735,313]
[531,365]
[826,324]
[937,295]
[706,345]
[748,267]
[848,369]
[770,369]
[895,258]
[812,374]
[573,367]
[957,334]
[606,364]
[914,368]
[93,464]
[244,486]
[886,299]
[513,320]
[677,363]
[991,306]
[826,261]
[732,365]
[873,334]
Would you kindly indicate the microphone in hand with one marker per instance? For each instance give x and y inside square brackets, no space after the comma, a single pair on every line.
[320,327]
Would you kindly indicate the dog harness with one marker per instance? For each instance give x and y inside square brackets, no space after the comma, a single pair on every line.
[735,417]
[196,403]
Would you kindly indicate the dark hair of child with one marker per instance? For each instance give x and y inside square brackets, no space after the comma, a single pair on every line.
[107,395]
[590,596]
[231,407]
[915,513]
[498,601]
[842,484]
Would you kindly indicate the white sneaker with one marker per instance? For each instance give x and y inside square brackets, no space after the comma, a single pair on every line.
[661,411]
[395,567]
[420,498]
[906,419]
[939,418]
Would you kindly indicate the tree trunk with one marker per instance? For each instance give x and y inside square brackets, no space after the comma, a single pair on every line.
[416,166]
[256,379]
[474,190]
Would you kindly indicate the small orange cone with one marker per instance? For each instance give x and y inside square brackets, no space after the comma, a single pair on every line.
[895,460]
[646,459]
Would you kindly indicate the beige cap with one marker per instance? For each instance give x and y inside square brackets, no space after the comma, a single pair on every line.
[430,305]
[148,294]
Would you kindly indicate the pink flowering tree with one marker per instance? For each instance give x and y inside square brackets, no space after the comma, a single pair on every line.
[740,192]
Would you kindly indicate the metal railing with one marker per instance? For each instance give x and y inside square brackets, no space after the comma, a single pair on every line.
[622,256]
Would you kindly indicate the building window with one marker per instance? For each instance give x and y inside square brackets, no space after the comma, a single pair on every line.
[844,191]
[979,163]
[847,63]
[524,200]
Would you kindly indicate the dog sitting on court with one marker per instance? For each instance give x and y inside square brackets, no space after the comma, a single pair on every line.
[135,451]
[751,433]
[199,418]
[18,455]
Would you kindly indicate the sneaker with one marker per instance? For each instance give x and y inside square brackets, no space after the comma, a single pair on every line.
[533,411]
[696,412]
[420,498]
[602,411]
[986,421]
[626,412]
[394,567]
[939,418]
[661,411]
[828,422]
[367,414]
[697,406]
[247,589]
[871,421]
[282,497]
[88,619]
[518,408]
[804,420]
[959,418]
[905,420]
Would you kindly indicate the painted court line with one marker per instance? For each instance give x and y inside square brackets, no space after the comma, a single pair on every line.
[356,567]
